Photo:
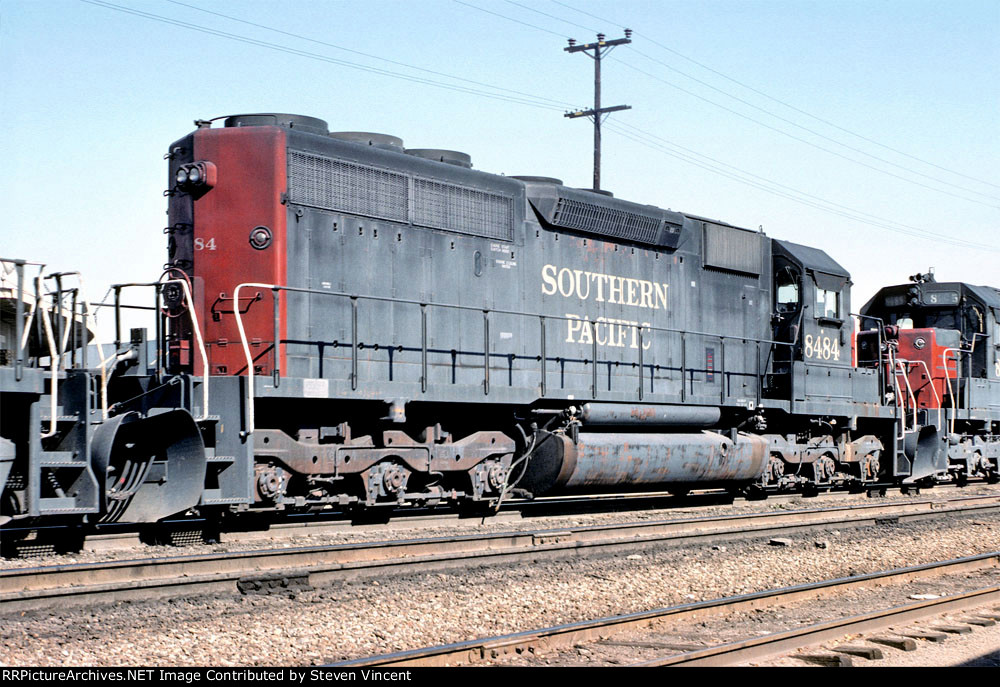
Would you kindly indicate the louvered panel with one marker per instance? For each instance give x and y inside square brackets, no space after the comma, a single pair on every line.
[330,184]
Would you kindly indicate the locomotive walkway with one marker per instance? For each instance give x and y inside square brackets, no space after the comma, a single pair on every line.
[260,570]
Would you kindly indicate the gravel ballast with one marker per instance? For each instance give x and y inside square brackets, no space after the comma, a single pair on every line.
[355,619]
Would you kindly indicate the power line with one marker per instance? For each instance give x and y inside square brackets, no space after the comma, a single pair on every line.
[642,137]
[806,141]
[531,102]
[364,54]
[768,126]
[550,16]
[656,142]
[785,104]
[517,21]
[812,131]
[817,205]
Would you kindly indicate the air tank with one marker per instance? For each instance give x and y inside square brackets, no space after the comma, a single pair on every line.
[560,462]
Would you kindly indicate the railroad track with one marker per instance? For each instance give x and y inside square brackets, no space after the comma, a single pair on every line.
[29,541]
[47,586]
[642,631]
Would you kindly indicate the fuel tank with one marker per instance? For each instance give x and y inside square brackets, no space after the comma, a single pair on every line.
[609,459]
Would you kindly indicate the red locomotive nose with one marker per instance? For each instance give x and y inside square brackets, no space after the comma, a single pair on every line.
[922,353]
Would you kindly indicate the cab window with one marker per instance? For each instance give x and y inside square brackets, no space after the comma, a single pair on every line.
[787,291]
[827,303]
[788,296]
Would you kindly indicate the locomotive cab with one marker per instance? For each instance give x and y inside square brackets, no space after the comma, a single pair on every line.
[809,323]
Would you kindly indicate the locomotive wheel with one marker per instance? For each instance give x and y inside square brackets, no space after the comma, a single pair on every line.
[775,470]
[991,471]
[870,468]
[824,469]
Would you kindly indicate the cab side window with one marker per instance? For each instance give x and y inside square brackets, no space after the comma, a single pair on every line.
[827,303]
[787,291]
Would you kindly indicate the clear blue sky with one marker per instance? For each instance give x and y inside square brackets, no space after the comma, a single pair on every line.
[92,96]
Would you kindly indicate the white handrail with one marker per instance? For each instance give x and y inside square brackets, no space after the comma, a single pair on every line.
[201,348]
[897,397]
[246,349]
[72,316]
[901,364]
[937,397]
[54,367]
[104,380]
[201,344]
[26,332]
[951,394]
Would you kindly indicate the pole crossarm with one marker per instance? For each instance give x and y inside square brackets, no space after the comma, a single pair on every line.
[599,45]
[591,113]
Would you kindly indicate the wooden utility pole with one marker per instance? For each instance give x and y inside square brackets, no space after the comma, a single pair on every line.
[596,51]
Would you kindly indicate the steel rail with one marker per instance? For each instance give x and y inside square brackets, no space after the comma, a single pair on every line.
[783,642]
[119,536]
[550,638]
[46,586]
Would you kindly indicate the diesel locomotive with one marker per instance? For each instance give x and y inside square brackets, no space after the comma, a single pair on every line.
[347,323]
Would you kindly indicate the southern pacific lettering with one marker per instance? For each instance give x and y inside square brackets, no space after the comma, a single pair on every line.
[610,288]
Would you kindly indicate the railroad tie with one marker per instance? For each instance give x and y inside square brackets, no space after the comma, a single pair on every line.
[980,622]
[872,653]
[953,629]
[901,643]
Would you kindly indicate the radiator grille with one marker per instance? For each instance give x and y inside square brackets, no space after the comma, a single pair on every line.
[729,248]
[598,219]
[329,184]
[464,210]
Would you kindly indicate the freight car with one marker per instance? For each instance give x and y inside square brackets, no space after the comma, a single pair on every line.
[346,323]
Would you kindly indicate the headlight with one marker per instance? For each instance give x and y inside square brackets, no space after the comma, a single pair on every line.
[196,178]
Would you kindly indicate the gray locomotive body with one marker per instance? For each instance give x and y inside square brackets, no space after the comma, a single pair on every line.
[444,333]
[346,323]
